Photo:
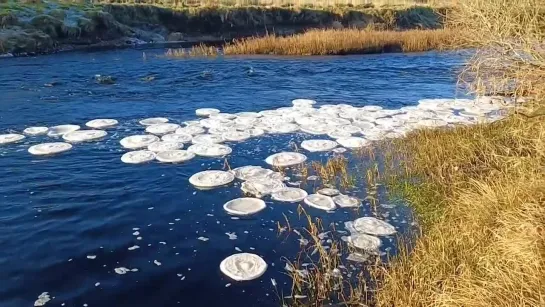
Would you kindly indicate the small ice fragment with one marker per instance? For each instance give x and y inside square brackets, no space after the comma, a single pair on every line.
[136,228]
[299,296]
[252,248]
[91,257]
[136,233]
[162,242]
[97,284]
[177,220]
[42,299]
[133,247]
[138,238]
[182,278]
[134,270]
[273,282]
[227,285]
[121,270]
[232,236]
[150,208]
[238,249]
[204,239]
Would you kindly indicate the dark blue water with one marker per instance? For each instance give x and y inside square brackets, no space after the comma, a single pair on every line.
[57,211]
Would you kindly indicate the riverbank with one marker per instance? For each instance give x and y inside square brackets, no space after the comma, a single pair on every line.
[47,27]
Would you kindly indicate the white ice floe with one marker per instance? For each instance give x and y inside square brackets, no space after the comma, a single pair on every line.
[137,157]
[61,130]
[43,299]
[207,139]
[210,150]
[364,241]
[251,172]
[291,195]
[337,134]
[318,145]
[303,102]
[191,130]
[49,148]
[121,270]
[138,141]
[153,121]
[211,179]
[175,137]
[10,138]
[284,159]
[84,135]
[243,266]
[320,202]
[244,206]
[164,146]
[261,186]
[328,192]
[36,131]
[236,136]
[345,201]
[161,129]
[206,111]
[101,123]
[353,142]
[284,128]
[223,116]
[174,156]
[370,225]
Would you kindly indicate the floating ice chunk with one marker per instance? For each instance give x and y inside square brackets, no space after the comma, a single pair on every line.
[339,150]
[353,142]
[317,129]
[221,130]
[174,137]
[138,156]
[291,195]
[243,266]
[165,146]
[249,115]
[345,201]
[84,135]
[161,129]
[207,139]
[251,172]
[204,239]
[153,121]
[256,132]
[49,148]
[92,257]
[373,226]
[284,128]
[101,123]
[61,130]
[36,131]
[210,150]
[211,179]
[357,257]
[337,134]
[157,263]
[303,102]
[236,136]
[320,202]
[364,241]
[364,125]
[261,186]
[284,159]
[191,130]
[318,145]
[138,141]
[121,270]
[223,116]
[10,138]
[174,156]
[244,206]
[232,235]
[328,192]
[205,112]
[43,299]
[134,247]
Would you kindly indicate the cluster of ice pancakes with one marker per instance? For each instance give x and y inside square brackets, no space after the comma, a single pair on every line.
[335,127]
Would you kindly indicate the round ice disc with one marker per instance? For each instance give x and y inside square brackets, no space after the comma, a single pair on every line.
[317,129]
[165,146]
[236,136]
[318,145]
[320,202]
[353,142]
[373,226]
[243,266]
[101,123]
[84,135]
[191,130]
[207,139]
[49,148]
[161,129]
[365,242]
[284,128]
[249,172]
[153,121]
[174,156]
[211,179]
[137,157]
[284,159]
[345,201]
[210,150]
[206,112]
[10,138]
[328,192]
[337,134]
[174,137]
[262,186]
[36,130]
[61,130]
[291,195]
[138,141]
[244,206]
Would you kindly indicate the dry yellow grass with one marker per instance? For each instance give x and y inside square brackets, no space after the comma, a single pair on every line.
[344,41]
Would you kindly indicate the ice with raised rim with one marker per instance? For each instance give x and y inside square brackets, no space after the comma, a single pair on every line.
[321,202]
[32,131]
[318,145]
[261,186]
[243,266]
[205,112]
[207,139]
[10,138]
[165,146]
[364,241]
[84,136]
[244,206]
[174,156]
[370,225]
[345,201]
[236,136]
[138,141]
[353,142]
[153,121]
[101,123]
[138,156]
[211,179]
[251,172]
[191,130]
[328,191]
[177,137]
[162,129]
[45,149]
[210,150]
[289,194]
[61,130]
[284,159]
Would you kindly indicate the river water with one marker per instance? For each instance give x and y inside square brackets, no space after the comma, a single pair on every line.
[66,222]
